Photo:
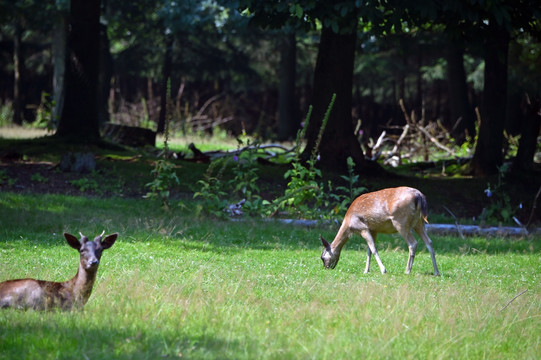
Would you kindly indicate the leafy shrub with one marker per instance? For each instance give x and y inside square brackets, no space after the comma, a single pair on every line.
[86,184]
[37,177]
[165,176]
[6,179]
[304,196]
[499,208]
[211,190]
[346,194]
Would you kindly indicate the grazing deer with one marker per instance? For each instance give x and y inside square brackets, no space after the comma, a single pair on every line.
[386,211]
[45,295]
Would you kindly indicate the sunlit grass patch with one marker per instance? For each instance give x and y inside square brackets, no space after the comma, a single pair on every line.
[174,286]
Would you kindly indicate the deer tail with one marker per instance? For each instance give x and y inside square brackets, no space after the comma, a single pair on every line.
[421,204]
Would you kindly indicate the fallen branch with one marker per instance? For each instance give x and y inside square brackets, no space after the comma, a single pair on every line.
[400,139]
[435,141]
[439,229]
[222,153]
[378,144]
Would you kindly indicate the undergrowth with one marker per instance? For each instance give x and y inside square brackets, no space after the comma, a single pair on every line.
[305,196]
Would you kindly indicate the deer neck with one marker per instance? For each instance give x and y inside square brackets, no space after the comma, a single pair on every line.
[340,239]
[81,284]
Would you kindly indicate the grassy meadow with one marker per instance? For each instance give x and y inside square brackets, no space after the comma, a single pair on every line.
[177,287]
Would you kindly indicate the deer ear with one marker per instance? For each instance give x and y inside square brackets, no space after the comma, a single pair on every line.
[109,241]
[72,241]
[325,242]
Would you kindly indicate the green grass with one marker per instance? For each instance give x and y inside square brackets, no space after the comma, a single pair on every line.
[174,286]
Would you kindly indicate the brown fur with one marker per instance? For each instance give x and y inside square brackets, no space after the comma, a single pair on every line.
[387,211]
[46,295]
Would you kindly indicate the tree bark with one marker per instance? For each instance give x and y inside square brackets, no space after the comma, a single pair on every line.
[166,75]
[288,121]
[59,67]
[488,151]
[79,118]
[528,138]
[18,73]
[461,109]
[334,74]
[104,79]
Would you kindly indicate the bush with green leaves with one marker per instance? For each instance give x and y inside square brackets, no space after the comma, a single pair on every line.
[37,177]
[5,179]
[86,184]
[216,193]
[164,174]
[44,113]
[343,196]
[165,177]
[499,208]
[211,193]
[305,196]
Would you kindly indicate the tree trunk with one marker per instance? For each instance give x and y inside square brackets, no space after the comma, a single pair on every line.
[166,75]
[334,74]
[104,79]
[462,114]
[18,73]
[288,121]
[528,138]
[488,152]
[59,67]
[419,105]
[79,118]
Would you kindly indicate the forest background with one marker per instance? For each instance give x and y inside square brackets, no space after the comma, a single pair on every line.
[467,72]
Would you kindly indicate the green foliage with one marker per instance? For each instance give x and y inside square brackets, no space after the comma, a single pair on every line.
[245,177]
[304,196]
[346,194]
[215,190]
[86,184]
[5,179]
[37,177]
[499,208]
[6,114]
[44,113]
[211,191]
[245,171]
[164,174]
[164,178]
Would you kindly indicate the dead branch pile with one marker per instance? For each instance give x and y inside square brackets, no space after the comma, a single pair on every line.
[210,115]
[267,151]
[417,137]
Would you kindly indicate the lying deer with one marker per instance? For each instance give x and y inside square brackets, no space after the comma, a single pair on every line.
[386,211]
[45,295]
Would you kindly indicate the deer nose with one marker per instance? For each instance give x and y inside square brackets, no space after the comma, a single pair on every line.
[94,261]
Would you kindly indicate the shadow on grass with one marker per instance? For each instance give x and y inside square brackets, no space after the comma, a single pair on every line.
[49,336]
[41,220]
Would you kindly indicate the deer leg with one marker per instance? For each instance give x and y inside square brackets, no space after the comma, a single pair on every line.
[372,248]
[369,253]
[421,231]
[405,232]
[368,257]
[412,245]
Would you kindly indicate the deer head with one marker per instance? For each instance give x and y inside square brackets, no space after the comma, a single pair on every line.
[90,251]
[328,256]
